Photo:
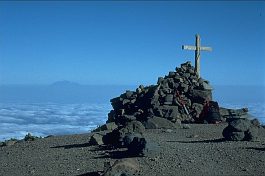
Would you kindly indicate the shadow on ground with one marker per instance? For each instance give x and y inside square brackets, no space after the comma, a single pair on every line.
[72,146]
[115,155]
[256,148]
[91,174]
[203,141]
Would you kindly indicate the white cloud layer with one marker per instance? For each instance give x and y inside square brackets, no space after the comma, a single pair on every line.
[16,120]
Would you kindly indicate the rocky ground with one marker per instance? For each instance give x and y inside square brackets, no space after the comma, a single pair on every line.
[198,150]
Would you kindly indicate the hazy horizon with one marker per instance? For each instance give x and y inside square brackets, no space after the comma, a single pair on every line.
[70,92]
[108,84]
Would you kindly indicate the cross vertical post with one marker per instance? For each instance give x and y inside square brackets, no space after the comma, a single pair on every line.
[197,48]
[197,54]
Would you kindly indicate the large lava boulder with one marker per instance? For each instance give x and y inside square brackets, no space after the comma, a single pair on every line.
[129,136]
[240,129]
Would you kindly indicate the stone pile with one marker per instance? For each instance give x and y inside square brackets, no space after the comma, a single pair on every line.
[129,136]
[242,129]
[178,97]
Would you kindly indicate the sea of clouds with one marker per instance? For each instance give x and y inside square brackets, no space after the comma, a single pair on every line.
[58,119]
[50,119]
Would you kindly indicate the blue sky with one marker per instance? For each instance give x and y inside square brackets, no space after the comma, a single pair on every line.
[129,43]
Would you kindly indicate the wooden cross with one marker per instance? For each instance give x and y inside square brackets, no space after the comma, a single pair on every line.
[197,48]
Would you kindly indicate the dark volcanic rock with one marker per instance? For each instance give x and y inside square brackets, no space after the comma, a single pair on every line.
[233,113]
[210,113]
[123,167]
[129,136]
[241,129]
[96,139]
[252,134]
[137,146]
[106,127]
[158,123]
[233,136]
[199,96]
[135,126]
[119,136]
[240,125]
[255,122]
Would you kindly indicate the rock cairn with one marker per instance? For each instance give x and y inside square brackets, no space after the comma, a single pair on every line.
[177,97]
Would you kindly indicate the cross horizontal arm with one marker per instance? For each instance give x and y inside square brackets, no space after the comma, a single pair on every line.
[202,48]
[187,47]
[205,48]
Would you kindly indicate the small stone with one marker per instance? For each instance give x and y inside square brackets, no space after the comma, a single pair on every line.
[126,166]
[240,125]
[109,126]
[125,101]
[252,134]
[206,86]
[179,80]
[141,87]
[137,146]
[244,169]
[138,90]
[171,74]
[168,130]
[193,136]
[231,114]
[199,96]
[128,93]
[96,139]
[135,126]
[186,126]
[160,80]
[231,135]
[154,159]
[121,111]
[159,123]
[191,161]
[255,122]
[133,101]
[168,99]
[127,118]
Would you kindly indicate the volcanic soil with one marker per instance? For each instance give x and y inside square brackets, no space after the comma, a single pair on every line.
[199,150]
